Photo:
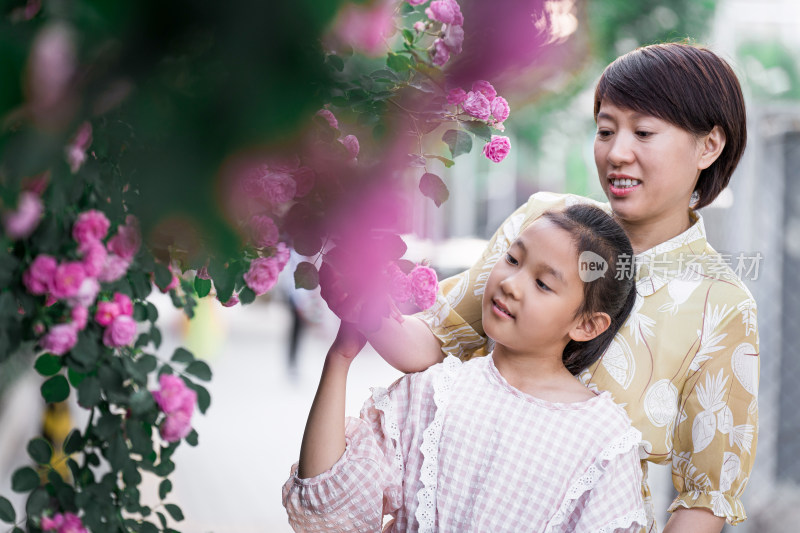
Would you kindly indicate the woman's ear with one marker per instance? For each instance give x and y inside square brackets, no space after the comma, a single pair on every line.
[589,327]
[713,144]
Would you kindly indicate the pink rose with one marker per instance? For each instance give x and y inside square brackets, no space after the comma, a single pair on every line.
[263,274]
[39,277]
[456,96]
[233,300]
[282,255]
[419,26]
[500,109]
[67,280]
[76,149]
[20,223]
[497,149]
[124,302]
[202,273]
[90,226]
[127,240]
[485,88]
[278,188]
[120,332]
[60,339]
[115,267]
[424,286]
[52,523]
[87,293]
[106,313]
[477,105]
[80,316]
[441,54]
[174,396]
[304,178]
[351,143]
[453,38]
[327,115]
[416,2]
[172,285]
[94,257]
[175,427]
[72,524]
[263,231]
[366,26]
[442,11]
[399,284]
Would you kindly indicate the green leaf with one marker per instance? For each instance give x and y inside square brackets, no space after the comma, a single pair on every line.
[447,162]
[200,370]
[131,475]
[434,188]
[478,129]
[162,518]
[55,389]
[408,35]
[48,364]
[40,451]
[141,401]
[202,287]
[164,488]
[182,355]
[203,397]
[37,502]
[162,275]
[191,438]
[140,284]
[459,142]
[147,527]
[75,378]
[141,439]
[336,62]
[139,312]
[86,351]
[247,296]
[7,513]
[73,442]
[155,336]
[174,511]
[117,453]
[152,312]
[89,392]
[24,479]
[398,63]
[306,276]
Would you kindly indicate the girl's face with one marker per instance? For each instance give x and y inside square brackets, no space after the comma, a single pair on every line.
[647,167]
[534,292]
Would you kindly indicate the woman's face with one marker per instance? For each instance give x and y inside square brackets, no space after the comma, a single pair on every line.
[648,167]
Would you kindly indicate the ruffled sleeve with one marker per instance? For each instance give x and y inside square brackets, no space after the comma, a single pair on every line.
[715,438]
[363,485]
[607,498]
[455,317]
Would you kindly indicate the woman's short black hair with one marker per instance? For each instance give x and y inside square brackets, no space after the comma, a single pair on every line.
[593,230]
[688,86]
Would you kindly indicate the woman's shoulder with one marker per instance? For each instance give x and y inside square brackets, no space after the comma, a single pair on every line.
[724,273]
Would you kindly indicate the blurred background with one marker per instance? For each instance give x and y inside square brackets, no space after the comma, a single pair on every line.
[267,357]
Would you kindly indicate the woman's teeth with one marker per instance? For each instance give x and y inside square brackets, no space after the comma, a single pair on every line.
[624,183]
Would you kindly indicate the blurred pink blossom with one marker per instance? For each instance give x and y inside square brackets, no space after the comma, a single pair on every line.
[441,54]
[282,255]
[67,280]
[456,96]
[106,313]
[124,302]
[115,267]
[127,240]
[399,284]
[120,332]
[175,427]
[90,226]
[477,105]
[262,275]
[172,285]
[60,339]
[273,187]
[87,293]
[485,88]
[174,396]
[424,286]
[263,231]
[21,222]
[351,143]
[497,149]
[94,258]
[500,109]
[52,523]
[51,66]
[80,316]
[72,524]
[419,26]
[327,115]
[442,11]
[366,27]
[202,273]
[76,149]
[453,38]
[416,2]
[233,300]
[304,178]
[39,277]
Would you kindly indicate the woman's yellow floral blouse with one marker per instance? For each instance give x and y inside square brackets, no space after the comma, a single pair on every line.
[684,365]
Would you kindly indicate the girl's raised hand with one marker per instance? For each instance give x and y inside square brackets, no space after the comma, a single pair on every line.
[349,341]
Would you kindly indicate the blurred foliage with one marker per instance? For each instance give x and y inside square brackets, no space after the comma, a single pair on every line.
[771,69]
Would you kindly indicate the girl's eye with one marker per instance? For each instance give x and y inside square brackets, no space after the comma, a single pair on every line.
[510,259]
[542,285]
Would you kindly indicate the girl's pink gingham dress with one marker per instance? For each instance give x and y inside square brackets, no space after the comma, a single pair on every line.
[458,449]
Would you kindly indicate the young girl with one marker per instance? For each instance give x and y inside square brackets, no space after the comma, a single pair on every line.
[510,442]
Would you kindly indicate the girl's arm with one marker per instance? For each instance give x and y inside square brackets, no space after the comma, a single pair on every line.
[696,520]
[323,440]
[406,343]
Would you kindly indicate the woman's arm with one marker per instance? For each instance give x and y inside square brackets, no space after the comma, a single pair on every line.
[696,520]
[323,439]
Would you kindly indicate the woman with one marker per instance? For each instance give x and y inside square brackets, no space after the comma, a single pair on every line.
[670,131]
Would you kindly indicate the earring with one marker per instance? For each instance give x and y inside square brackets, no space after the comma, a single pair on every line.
[694,198]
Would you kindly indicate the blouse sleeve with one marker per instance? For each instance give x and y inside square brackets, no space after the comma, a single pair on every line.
[455,317]
[715,438]
[363,485]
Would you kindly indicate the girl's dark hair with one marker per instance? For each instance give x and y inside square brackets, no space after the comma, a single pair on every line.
[593,230]
[688,86]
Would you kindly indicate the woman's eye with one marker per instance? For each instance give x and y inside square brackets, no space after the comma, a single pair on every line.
[644,134]
[511,260]
[542,285]
[603,134]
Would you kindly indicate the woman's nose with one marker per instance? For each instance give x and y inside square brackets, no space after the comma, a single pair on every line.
[621,150]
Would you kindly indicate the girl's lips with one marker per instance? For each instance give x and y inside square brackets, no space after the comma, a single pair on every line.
[501,310]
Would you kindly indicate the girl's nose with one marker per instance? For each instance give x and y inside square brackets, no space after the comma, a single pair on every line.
[510,286]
